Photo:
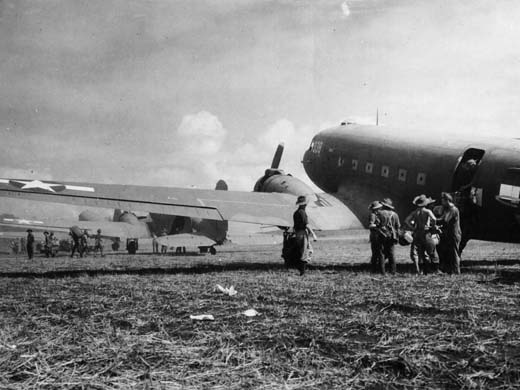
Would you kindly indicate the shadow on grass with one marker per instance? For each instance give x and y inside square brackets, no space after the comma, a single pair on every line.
[408,268]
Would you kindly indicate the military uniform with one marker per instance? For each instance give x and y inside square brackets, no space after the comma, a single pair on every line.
[30,244]
[75,243]
[301,235]
[422,221]
[388,228]
[98,243]
[83,244]
[450,238]
[301,220]
[375,241]
[47,244]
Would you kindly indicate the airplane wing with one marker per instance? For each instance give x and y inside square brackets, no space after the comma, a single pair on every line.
[329,213]
[248,234]
[109,229]
[259,208]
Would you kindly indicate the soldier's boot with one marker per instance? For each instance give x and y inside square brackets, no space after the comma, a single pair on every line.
[301,268]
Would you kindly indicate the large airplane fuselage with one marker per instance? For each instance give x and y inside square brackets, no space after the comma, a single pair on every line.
[359,163]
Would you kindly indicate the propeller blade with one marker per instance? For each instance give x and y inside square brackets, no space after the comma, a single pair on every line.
[277,156]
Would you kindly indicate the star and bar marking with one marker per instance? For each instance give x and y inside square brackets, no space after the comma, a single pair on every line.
[46,186]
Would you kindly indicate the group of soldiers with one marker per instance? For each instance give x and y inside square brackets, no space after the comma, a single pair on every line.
[79,243]
[434,235]
[50,244]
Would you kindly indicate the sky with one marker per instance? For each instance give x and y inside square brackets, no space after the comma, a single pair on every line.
[184,93]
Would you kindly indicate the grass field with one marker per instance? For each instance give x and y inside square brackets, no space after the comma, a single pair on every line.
[123,322]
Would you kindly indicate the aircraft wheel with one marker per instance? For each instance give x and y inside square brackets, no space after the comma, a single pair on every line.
[132,247]
[115,246]
[212,250]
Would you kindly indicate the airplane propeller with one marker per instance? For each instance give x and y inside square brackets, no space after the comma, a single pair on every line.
[277,156]
[276,180]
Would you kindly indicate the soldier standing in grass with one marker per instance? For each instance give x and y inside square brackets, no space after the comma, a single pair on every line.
[388,226]
[451,235]
[98,243]
[422,221]
[83,244]
[30,244]
[47,244]
[55,244]
[155,244]
[74,234]
[375,242]
[302,231]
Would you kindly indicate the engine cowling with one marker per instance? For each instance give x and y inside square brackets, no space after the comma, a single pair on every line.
[128,218]
[276,180]
[89,215]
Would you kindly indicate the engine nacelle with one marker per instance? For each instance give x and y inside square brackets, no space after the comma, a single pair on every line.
[89,215]
[275,180]
[129,218]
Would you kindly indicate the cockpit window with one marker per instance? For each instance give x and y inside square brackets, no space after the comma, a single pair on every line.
[316,146]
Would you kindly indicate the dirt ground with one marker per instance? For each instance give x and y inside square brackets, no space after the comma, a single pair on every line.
[124,321]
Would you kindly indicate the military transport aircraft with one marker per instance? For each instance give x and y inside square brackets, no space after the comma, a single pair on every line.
[179,212]
[360,163]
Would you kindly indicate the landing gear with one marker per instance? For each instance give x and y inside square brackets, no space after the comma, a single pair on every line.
[132,244]
[206,249]
[115,246]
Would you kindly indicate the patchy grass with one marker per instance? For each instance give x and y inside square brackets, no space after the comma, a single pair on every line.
[332,328]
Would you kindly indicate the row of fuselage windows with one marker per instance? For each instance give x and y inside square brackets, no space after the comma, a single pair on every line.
[368,168]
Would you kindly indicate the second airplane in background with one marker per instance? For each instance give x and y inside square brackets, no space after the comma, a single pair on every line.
[186,217]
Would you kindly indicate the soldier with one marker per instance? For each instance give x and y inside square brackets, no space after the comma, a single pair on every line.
[55,244]
[302,231]
[388,226]
[422,221]
[47,245]
[451,235]
[155,244]
[98,243]
[30,244]
[74,234]
[164,248]
[83,244]
[375,242]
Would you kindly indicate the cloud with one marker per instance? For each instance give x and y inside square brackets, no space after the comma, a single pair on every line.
[191,153]
[201,133]
[345,9]
[202,151]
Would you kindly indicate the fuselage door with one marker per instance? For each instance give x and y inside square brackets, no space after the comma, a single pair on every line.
[466,169]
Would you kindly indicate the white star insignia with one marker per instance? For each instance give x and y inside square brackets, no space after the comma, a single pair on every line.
[38,184]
